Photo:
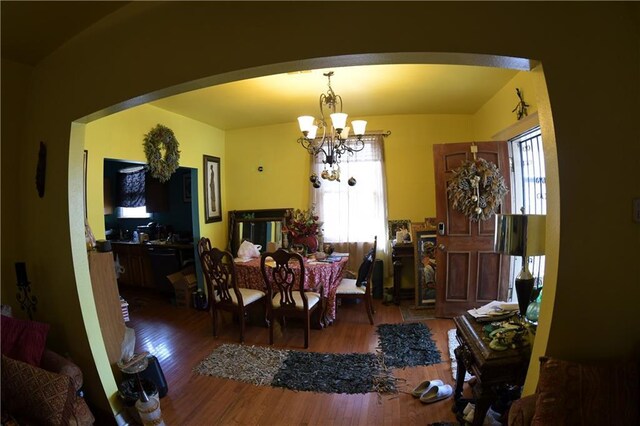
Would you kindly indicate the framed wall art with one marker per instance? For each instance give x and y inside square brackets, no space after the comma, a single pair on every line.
[395,226]
[212,199]
[425,242]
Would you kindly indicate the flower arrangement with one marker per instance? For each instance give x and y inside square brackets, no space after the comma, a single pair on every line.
[303,223]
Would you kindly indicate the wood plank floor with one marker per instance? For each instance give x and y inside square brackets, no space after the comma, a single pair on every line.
[181,338]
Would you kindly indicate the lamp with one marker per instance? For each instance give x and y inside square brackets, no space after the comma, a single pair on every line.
[521,235]
[333,143]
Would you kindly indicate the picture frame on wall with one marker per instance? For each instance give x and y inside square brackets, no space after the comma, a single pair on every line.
[212,199]
[425,243]
[395,226]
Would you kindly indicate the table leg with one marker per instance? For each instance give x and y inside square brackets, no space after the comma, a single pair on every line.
[462,371]
[483,402]
[397,280]
[319,316]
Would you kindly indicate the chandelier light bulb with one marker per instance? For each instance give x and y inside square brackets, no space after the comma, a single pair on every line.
[359,127]
[312,132]
[339,120]
[306,123]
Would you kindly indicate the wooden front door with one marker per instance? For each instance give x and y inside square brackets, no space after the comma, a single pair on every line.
[468,274]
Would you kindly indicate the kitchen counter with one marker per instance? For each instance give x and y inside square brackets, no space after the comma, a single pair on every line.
[157,243]
[148,264]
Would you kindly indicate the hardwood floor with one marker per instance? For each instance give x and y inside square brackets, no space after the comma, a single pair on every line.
[180,338]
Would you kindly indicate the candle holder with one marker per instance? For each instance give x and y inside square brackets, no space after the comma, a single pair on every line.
[27,301]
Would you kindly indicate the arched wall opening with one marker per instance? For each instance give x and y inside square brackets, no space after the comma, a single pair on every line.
[77,144]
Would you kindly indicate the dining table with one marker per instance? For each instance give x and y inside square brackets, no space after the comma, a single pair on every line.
[320,276]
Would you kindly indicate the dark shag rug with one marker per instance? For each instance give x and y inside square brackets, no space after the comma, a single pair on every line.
[401,345]
[407,345]
[300,371]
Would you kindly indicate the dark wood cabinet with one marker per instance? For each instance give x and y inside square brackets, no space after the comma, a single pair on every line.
[156,195]
[491,368]
[401,255]
[147,265]
[135,261]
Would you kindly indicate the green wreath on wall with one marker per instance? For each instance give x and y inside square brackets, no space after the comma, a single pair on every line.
[161,167]
[477,189]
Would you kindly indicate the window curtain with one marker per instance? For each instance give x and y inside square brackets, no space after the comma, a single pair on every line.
[353,215]
[131,187]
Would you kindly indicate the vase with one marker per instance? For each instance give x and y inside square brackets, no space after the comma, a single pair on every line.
[533,310]
[309,241]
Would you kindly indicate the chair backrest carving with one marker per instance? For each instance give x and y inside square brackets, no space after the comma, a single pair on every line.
[220,274]
[287,276]
[204,244]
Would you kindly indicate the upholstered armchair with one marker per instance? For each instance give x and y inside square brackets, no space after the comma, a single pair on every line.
[39,386]
[580,393]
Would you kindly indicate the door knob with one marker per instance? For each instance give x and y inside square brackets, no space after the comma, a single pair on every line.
[441,247]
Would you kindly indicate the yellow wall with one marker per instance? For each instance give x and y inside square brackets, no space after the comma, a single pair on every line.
[285,179]
[120,136]
[409,159]
[587,108]
[15,81]
[497,114]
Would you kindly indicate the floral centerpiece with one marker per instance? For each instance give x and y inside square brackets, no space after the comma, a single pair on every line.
[304,228]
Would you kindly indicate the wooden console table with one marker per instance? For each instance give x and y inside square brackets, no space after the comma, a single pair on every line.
[402,253]
[491,368]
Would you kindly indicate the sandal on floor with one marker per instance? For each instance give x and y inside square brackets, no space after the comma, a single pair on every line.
[436,393]
[425,386]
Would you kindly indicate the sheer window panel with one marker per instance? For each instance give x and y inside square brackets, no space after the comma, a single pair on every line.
[353,215]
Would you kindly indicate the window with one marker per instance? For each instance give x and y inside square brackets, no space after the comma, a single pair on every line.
[354,214]
[528,189]
[131,193]
[132,212]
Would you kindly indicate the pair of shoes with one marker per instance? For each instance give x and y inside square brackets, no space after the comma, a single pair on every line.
[425,386]
[436,393]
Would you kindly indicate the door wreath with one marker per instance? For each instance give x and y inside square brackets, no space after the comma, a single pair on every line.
[477,189]
[161,167]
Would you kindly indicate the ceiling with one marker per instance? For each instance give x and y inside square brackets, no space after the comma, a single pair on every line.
[365,90]
[31,31]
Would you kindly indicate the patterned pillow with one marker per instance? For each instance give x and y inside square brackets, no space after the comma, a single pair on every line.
[23,340]
[575,393]
[35,394]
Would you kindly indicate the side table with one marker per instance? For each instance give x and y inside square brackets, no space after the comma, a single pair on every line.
[400,252]
[491,368]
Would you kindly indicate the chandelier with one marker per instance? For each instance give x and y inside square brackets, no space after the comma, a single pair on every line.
[333,143]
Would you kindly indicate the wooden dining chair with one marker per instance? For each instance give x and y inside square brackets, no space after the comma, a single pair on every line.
[287,278]
[224,293]
[204,244]
[360,287]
